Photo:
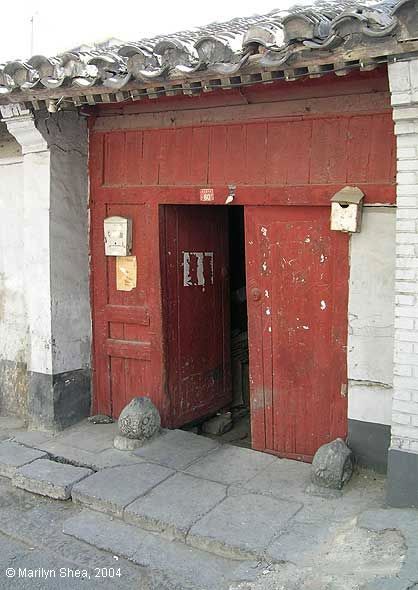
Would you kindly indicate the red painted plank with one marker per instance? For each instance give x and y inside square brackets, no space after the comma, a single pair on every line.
[328,155]
[115,159]
[359,149]
[116,330]
[256,153]
[136,377]
[127,313]
[166,157]
[300,152]
[382,161]
[181,156]
[278,137]
[218,165]
[134,158]
[236,154]
[199,162]
[151,157]
[128,349]
[118,384]
[309,195]
[196,290]
[297,328]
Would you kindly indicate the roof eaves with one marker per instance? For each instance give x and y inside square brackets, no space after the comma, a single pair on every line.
[332,35]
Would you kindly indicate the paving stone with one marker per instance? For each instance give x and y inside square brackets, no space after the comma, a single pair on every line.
[114,458]
[95,461]
[282,478]
[49,478]
[230,465]
[300,543]
[177,449]
[32,438]
[13,455]
[64,453]
[39,530]
[242,526]
[362,492]
[111,490]
[182,566]
[93,438]
[175,505]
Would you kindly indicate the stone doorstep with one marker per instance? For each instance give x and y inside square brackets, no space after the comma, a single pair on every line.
[48,478]
[174,505]
[112,489]
[177,449]
[181,565]
[13,456]
[95,461]
[239,527]
[187,509]
[199,514]
[242,526]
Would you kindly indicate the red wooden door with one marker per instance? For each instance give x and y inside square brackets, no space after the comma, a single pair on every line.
[297,282]
[196,305]
[126,351]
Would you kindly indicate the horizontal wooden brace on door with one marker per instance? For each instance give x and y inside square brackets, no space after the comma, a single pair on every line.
[303,195]
[130,314]
[128,349]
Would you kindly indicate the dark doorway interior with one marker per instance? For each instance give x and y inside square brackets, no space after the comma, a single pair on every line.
[240,433]
[239,409]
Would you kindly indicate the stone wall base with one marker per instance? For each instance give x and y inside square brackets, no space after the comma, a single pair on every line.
[402,483]
[58,401]
[370,443]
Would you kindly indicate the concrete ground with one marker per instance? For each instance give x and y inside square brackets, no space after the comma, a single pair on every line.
[188,513]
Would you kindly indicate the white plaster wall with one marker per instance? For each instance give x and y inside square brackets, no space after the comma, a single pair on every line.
[13,326]
[37,260]
[12,306]
[371,317]
[45,245]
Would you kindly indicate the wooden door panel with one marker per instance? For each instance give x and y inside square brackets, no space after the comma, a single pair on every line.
[196,296]
[124,343]
[349,149]
[298,303]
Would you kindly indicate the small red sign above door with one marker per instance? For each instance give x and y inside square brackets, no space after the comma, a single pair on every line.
[207,194]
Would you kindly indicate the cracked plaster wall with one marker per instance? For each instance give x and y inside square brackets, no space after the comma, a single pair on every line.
[66,137]
[371,317]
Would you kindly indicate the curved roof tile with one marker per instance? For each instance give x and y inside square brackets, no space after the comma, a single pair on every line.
[270,40]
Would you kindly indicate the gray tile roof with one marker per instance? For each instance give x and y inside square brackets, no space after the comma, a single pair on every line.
[268,42]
